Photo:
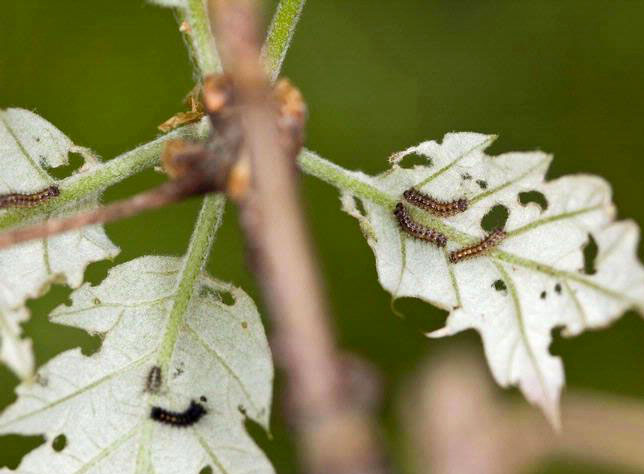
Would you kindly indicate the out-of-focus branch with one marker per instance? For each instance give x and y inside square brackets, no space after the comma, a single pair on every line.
[458,424]
[334,436]
[601,428]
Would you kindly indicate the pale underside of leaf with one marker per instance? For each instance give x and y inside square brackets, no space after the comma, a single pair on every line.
[170,3]
[533,282]
[101,405]
[15,351]
[29,146]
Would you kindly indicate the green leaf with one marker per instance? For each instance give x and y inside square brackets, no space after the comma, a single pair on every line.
[100,403]
[534,281]
[29,146]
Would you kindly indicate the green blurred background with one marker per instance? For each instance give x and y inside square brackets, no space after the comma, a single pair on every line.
[562,76]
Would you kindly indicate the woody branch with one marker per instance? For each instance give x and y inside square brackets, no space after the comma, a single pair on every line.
[334,434]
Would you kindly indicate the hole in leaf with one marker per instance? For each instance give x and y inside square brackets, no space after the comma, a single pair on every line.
[482,183]
[590,254]
[59,443]
[536,197]
[14,447]
[558,288]
[58,337]
[557,340]
[62,172]
[495,218]
[224,297]
[206,470]
[97,272]
[499,285]
[413,160]
[227,298]
[360,207]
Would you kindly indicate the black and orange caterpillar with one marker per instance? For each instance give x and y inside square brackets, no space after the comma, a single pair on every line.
[188,417]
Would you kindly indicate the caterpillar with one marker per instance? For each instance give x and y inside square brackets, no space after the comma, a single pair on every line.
[489,242]
[189,417]
[28,200]
[154,380]
[417,230]
[434,206]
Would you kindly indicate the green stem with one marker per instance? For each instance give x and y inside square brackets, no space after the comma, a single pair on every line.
[280,34]
[203,236]
[313,164]
[201,38]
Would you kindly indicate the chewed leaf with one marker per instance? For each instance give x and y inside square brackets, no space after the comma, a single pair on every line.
[532,276]
[220,366]
[29,146]
[15,351]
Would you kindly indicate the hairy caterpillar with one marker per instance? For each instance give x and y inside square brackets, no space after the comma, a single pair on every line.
[189,417]
[417,230]
[434,206]
[489,242]
[28,200]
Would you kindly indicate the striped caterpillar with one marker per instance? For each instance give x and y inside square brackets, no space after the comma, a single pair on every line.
[417,230]
[28,200]
[188,417]
[434,206]
[489,242]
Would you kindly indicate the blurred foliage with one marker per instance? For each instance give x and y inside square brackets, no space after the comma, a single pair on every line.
[565,77]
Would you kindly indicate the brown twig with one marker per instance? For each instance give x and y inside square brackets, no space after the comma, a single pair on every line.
[333,433]
[167,193]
